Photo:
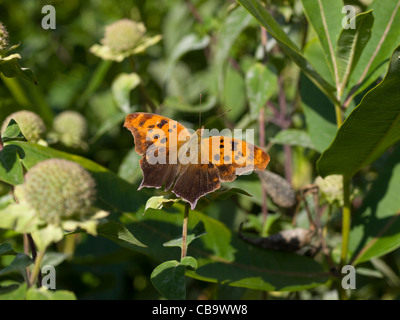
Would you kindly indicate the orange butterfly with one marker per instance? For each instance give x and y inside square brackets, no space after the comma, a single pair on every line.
[185,161]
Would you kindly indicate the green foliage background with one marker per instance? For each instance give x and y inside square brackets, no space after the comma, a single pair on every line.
[307,78]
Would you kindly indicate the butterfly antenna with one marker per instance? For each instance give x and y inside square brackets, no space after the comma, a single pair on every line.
[217,116]
[200,111]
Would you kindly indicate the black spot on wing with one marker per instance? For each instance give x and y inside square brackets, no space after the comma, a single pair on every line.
[162,123]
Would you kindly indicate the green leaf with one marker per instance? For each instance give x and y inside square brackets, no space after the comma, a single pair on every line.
[351,44]
[326,18]
[19,217]
[158,202]
[169,279]
[372,127]
[119,234]
[18,265]
[121,88]
[13,292]
[222,257]
[255,8]
[111,190]
[233,96]
[129,169]
[293,137]
[44,294]
[189,262]
[188,43]
[220,194]
[319,113]
[10,167]
[261,83]
[10,67]
[197,232]
[12,132]
[47,235]
[384,40]
[6,249]
[375,228]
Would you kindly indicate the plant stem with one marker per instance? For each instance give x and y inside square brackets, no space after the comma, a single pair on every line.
[36,274]
[34,257]
[338,113]
[184,231]
[346,220]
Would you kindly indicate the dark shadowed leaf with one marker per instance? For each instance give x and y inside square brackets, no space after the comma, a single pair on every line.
[376,227]
[372,127]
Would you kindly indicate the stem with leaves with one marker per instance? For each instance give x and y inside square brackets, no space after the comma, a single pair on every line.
[37,258]
[184,231]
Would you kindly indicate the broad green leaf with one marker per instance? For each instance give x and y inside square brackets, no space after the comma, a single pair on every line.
[385,37]
[326,18]
[111,190]
[293,137]
[169,279]
[119,234]
[121,89]
[261,83]
[372,127]
[44,294]
[314,53]
[255,8]
[319,113]
[10,167]
[376,226]
[13,292]
[222,257]
[6,249]
[351,44]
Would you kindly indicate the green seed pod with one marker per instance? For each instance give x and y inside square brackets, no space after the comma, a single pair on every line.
[70,128]
[31,125]
[59,189]
[3,37]
[123,35]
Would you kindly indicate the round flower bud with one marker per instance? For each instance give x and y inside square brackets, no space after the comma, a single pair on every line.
[59,189]
[71,128]
[331,188]
[31,125]
[123,35]
[3,37]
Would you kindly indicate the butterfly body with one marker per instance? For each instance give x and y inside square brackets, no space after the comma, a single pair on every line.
[186,162]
